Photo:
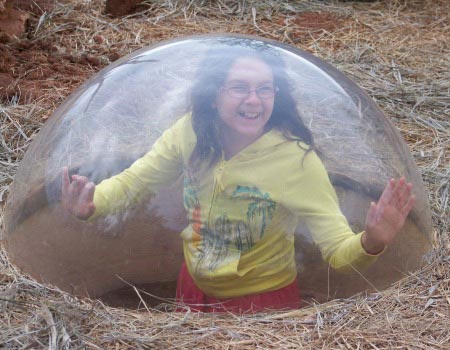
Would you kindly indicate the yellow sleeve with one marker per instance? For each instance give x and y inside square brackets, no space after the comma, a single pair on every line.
[159,167]
[313,199]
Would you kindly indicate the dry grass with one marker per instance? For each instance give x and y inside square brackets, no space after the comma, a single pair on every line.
[398,51]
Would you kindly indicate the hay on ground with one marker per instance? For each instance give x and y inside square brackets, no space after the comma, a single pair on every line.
[397,51]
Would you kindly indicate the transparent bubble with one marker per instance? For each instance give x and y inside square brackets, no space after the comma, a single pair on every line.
[116,117]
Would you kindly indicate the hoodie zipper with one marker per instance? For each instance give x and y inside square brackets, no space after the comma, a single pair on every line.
[217,184]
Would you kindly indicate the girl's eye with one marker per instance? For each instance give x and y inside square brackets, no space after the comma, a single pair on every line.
[239,89]
[265,90]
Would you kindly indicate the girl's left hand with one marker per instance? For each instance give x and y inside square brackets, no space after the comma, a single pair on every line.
[386,218]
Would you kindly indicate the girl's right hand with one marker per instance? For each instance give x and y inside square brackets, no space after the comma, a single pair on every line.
[77,196]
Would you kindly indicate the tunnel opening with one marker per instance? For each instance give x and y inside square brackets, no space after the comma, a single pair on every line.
[158,296]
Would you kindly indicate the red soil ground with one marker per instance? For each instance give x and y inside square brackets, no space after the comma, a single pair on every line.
[29,68]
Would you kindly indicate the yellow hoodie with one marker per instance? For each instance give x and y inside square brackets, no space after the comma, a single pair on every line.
[243,211]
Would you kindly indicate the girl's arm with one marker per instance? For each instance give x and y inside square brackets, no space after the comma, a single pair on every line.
[313,198]
[161,166]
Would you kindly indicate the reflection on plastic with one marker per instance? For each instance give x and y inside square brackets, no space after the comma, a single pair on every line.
[116,117]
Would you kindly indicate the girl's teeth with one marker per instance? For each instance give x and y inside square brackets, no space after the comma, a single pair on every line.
[250,115]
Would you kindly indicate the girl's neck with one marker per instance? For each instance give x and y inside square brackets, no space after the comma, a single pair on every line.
[233,143]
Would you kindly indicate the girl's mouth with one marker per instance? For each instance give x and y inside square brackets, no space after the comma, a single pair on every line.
[249,115]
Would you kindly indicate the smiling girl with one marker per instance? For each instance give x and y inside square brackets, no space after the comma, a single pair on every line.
[250,176]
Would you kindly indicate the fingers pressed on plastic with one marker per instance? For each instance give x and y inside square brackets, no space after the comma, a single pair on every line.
[385,199]
[79,185]
[406,194]
[398,198]
[386,196]
[70,192]
[65,181]
[372,214]
[87,193]
[408,206]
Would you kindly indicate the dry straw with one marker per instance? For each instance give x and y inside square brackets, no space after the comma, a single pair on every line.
[398,51]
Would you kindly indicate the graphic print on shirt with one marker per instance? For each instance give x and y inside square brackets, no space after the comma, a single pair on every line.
[220,242]
[259,211]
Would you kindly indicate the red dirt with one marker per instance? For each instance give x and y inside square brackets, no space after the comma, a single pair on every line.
[12,24]
[37,7]
[317,21]
[307,25]
[312,22]
[117,8]
[28,70]
[14,15]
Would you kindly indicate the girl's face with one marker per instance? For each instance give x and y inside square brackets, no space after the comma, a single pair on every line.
[245,101]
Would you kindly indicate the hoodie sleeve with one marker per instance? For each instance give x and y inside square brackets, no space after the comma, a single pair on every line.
[159,167]
[312,198]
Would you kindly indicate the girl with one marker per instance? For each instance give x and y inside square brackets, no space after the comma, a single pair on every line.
[250,176]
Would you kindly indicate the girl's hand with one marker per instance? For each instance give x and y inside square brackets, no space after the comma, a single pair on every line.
[77,197]
[386,218]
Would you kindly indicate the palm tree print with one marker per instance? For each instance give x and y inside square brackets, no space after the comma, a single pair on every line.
[260,210]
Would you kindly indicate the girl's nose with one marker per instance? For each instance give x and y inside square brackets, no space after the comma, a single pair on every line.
[252,97]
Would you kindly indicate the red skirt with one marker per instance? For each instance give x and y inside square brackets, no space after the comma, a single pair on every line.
[188,294]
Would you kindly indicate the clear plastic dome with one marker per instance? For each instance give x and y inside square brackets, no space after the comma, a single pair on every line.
[115,118]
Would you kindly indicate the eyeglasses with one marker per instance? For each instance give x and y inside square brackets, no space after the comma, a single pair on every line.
[242,92]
